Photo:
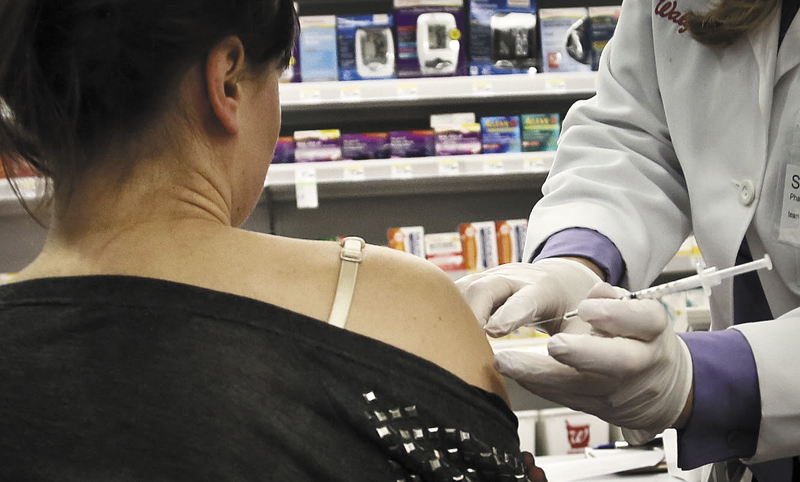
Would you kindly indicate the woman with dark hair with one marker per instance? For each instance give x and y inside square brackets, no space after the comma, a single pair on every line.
[695,129]
[153,340]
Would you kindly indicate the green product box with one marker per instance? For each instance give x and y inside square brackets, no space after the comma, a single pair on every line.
[540,132]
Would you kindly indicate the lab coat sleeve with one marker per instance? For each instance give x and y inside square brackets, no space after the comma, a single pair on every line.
[774,348]
[725,413]
[615,170]
[588,244]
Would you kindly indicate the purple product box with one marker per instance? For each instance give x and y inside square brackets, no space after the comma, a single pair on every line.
[458,140]
[372,145]
[409,63]
[418,143]
[317,146]
[284,150]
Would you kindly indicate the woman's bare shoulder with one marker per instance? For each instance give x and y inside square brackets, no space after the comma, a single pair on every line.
[410,303]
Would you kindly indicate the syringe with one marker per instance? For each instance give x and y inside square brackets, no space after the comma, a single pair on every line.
[705,278]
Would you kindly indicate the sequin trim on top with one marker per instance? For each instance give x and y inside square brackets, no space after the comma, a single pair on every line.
[424,452]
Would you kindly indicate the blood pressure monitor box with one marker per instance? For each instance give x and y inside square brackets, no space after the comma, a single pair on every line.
[430,38]
[504,37]
[366,46]
[603,24]
[566,46]
[318,60]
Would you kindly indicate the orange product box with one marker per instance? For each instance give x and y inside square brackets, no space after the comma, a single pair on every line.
[478,245]
[408,239]
[510,240]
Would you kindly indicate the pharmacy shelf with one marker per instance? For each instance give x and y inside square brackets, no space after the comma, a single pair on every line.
[367,178]
[470,173]
[312,96]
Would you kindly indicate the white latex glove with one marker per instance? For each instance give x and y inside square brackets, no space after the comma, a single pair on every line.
[632,371]
[526,293]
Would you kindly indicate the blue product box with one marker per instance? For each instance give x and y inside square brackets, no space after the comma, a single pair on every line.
[318,48]
[603,21]
[366,46]
[501,134]
[504,37]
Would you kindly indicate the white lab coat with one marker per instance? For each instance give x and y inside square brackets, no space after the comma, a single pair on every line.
[682,138]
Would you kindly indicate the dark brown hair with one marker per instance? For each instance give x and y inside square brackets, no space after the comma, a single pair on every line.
[729,20]
[74,72]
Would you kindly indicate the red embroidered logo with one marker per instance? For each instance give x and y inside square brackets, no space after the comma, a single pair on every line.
[669,10]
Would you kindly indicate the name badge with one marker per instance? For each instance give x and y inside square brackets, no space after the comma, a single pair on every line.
[789,230]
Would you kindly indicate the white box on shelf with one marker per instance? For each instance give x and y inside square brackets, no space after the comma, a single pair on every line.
[527,429]
[563,431]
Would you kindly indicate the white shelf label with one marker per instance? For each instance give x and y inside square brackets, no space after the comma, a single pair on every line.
[350,93]
[559,85]
[354,172]
[482,88]
[407,90]
[535,164]
[310,95]
[402,171]
[493,166]
[305,183]
[449,168]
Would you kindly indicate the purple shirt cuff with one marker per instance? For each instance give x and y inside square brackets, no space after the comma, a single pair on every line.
[588,244]
[726,412]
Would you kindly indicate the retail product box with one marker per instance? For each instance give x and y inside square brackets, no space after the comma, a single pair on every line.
[444,250]
[603,22]
[366,46]
[429,38]
[317,146]
[478,245]
[284,150]
[565,39]
[511,236]
[503,37]
[418,143]
[540,132]
[370,145]
[409,239]
[501,134]
[318,60]
[562,431]
[526,429]
[455,140]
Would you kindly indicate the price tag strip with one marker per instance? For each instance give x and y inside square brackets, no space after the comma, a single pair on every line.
[305,183]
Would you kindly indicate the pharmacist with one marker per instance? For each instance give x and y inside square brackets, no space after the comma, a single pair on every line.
[695,128]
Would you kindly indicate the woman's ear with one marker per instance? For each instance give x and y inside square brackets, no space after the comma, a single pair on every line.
[225,67]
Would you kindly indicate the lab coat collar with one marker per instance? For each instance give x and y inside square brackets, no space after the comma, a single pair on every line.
[787,55]
[764,42]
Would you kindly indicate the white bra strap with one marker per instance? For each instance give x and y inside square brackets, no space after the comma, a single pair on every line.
[351,256]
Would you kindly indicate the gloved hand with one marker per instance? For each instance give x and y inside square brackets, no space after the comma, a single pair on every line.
[632,371]
[528,292]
